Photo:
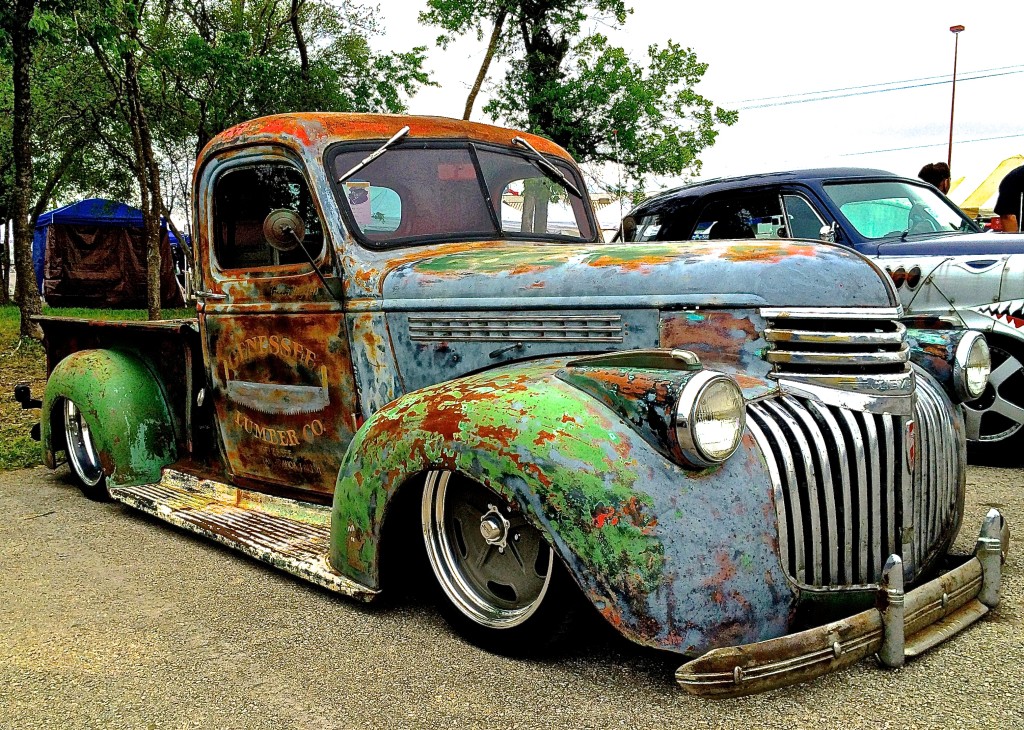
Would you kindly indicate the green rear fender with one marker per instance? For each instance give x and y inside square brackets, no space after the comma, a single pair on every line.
[126,410]
[563,457]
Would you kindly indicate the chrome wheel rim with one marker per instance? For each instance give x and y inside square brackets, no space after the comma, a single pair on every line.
[490,562]
[81,452]
[999,413]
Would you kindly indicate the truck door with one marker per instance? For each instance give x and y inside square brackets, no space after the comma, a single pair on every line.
[277,349]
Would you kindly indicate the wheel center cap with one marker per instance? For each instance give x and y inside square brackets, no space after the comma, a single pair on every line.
[490,529]
[494,528]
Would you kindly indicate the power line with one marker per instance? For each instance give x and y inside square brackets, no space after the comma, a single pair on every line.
[937,144]
[874,91]
[870,86]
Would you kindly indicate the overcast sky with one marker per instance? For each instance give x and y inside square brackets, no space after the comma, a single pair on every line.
[773,49]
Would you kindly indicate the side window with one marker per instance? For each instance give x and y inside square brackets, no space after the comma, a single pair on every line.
[804,221]
[243,197]
[745,216]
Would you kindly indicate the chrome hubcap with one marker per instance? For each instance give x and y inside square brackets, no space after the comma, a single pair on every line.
[491,563]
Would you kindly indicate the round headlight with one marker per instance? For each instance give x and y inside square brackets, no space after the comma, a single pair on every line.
[971,365]
[710,418]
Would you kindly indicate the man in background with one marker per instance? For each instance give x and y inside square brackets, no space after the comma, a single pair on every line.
[937,174]
[1011,200]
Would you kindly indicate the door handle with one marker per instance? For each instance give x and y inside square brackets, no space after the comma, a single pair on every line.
[201,294]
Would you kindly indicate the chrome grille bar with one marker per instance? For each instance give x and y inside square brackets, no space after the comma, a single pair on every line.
[847,499]
[847,359]
[817,342]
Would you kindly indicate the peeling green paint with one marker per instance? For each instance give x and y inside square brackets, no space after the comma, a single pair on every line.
[527,436]
[120,399]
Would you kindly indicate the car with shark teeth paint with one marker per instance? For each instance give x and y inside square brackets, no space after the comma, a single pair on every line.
[403,369]
[948,272]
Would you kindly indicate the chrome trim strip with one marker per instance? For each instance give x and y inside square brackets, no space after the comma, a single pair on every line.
[832,312]
[776,334]
[843,359]
[850,391]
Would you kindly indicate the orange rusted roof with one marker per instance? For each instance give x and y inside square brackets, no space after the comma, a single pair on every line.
[317,129]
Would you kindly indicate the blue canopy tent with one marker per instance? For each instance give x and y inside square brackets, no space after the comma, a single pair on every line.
[90,254]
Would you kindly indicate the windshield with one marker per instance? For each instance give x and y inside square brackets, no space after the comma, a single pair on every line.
[422,193]
[895,209]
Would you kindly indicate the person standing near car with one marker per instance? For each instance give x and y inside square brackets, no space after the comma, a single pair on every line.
[937,174]
[1011,200]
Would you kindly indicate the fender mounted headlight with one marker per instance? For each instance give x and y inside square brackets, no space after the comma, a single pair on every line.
[971,366]
[710,417]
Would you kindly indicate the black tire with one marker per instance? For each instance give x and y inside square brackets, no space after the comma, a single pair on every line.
[499,583]
[83,459]
[995,421]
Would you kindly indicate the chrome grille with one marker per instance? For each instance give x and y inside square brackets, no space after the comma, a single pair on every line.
[824,342]
[843,492]
[523,328]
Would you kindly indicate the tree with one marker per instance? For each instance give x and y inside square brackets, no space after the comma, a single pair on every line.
[121,94]
[585,94]
[19,22]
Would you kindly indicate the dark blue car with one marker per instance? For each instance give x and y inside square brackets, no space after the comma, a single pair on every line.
[946,269]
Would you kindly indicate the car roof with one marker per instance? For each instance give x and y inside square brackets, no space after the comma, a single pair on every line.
[723,184]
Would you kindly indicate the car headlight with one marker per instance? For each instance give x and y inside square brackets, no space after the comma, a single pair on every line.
[710,418]
[971,365]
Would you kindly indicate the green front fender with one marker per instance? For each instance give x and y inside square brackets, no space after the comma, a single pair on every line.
[121,400]
[673,557]
[569,463]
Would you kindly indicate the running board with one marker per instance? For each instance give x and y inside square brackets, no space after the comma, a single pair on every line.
[292,536]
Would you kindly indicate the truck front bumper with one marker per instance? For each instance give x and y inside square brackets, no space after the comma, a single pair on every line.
[902,625]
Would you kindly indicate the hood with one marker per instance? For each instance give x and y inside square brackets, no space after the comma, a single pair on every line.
[691,273]
[960,244]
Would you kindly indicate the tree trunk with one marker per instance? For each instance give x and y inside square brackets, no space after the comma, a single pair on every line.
[5,264]
[499,21]
[300,42]
[27,294]
[149,185]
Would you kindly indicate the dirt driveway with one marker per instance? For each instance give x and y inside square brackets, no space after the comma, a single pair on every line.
[111,619]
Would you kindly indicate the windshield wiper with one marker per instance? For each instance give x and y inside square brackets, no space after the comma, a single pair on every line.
[547,167]
[375,154]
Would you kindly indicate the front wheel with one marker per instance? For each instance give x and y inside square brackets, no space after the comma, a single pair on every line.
[995,421]
[82,455]
[501,585]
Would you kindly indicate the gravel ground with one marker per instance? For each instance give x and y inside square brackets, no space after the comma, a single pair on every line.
[112,620]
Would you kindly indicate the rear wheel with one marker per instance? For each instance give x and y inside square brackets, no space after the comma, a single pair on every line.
[82,455]
[501,585]
[995,421]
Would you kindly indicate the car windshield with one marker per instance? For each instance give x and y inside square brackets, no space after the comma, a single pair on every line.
[421,192]
[897,209]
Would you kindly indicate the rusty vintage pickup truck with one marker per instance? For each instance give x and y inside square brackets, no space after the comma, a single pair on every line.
[412,356]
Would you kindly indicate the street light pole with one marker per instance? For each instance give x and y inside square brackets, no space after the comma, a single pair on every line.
[956,30]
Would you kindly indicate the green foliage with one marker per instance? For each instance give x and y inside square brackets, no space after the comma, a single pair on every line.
[589,96]
[204,65]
